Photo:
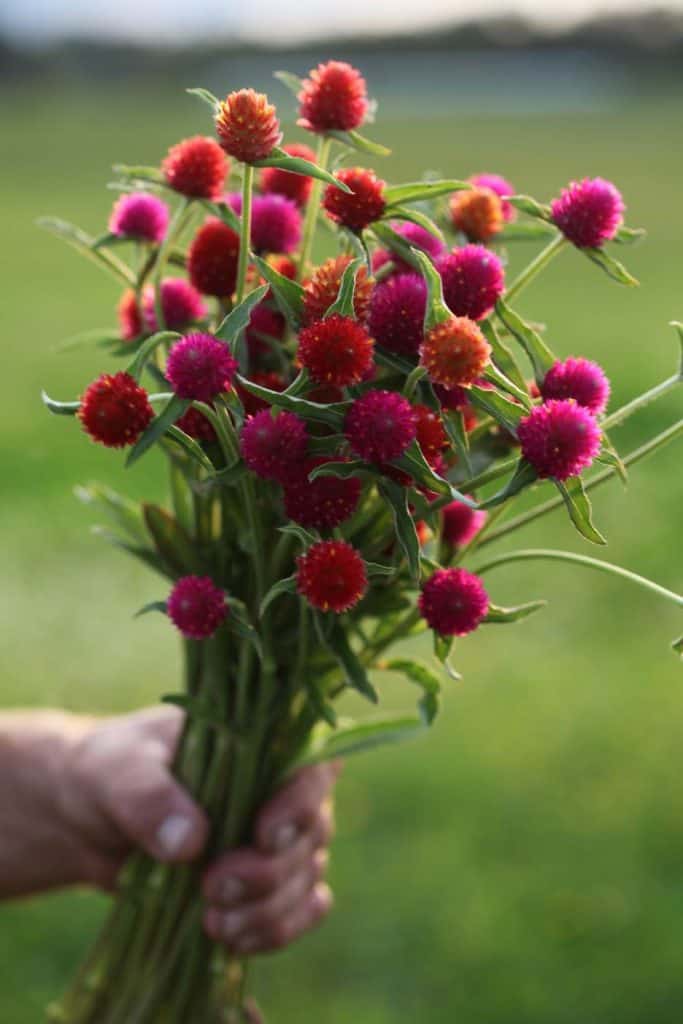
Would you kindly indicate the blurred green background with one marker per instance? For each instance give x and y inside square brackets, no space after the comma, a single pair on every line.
[524,862]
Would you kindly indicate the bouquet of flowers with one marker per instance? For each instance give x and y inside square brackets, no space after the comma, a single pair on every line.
[343,441]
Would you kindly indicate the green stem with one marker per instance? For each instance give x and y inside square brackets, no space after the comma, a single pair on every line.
[616,418]
[493,473]
[529,273]
[585,560]
[245,232]
[322,159]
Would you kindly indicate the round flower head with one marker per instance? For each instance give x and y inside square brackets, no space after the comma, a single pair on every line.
[196,168]
[380,426]
[336,351]
[196,606]
[267,379]
[275,222]
[331,576]
[195,424]
[559,438]
[397,311]
[360,207]
[453,602]
[266,325]
[477,212]
[115,410]
[580,379]
[431,435]
[274,447]
[323,288]
[418,237]
[460,523]
[199,367]
[501,187]
[296,187]
[181,304]
[322,503]
[139,215]
[130,321]
[247,126]
[473,280]
[589,212]
[333,98]
[455,352]
[212,258]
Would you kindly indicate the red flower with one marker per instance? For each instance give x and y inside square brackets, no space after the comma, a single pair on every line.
[477,212]
[115,410]
[336,351]
[199,367]
[213,257]
[460,523]
[274,447]
[322,503]
[195,424]
[265,325]
[196,606]
[397,312]
[559,438]
[196,168]
[181,305]
[363,205]
[331,576]
[294,186]
[453,601]
[247,126]
[455,352]
[431,435]
[322,289]
[268,379]
[380,426]
[473,280]
[333,98]
[130,321]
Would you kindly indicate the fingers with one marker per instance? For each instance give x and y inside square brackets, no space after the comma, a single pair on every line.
[295,807]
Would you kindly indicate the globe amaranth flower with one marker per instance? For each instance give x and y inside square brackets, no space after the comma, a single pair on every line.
[336,351]
[453,602]
[455,352]
[333,98]
[397,312]
[296,187]
[213,257]
[274,447]
[322,503]
[266,325]
[196,168]
[194,423]
[115,410]
[477,212]
[140,216]
[247,126]
[275,222]
[331,575]
[559,438]
[197,607]
[502,187]
[588,212]
[267,379]
[580,379]
[473,279]
[417,237]
[323,288]
[460,523]
[431,434]
[380,426]
[181,305]
[199,367]
[128,314]
[360,207]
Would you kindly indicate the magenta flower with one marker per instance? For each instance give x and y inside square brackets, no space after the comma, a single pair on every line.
[274,447]
[416,236]
[453,601]
[380,426]
[473,279]
[460,523]
[275,221]
[501,187]
[580,379]
[589,212]
[140,216]
[397,310]
[197,607]
[559,438]
[199,367]
[181,304]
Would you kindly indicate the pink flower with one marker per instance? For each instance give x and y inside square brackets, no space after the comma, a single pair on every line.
[140,216]
[199,367]
[453,601]
[324,502]
[589,212]
[181,304]
[380,426]
[460,523]
[501,187]
[196,606]
[559,438]
[473,279]
[274,447]
[275,222]
[397,311]
[580,379]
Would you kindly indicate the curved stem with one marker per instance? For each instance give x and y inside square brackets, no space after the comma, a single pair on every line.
[322,158]
[245,232]
[616,418]
[529,273]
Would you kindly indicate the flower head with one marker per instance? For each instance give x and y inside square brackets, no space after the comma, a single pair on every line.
[331,576]
[274,446]
[501,187]
[453,602]
[296,187]
[455,352]
[267,379]
[265,325]
[360,207]
[559,438]
[333,98]
[431,435]
[197,607]
[195,424]
[115,410]
[181,305]
[473,280]
[477,212]
[196,168]
[589,212]
[247,126]
[128,313]
[380,426]
[416,236]
[275,222]
[139,215]
[397,311]
[337,351]
[322,503]
[212,258]
[199,367]
[323,288]
[460,523]
[580,379]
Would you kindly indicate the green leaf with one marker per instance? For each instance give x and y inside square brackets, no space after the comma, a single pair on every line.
[678,646]
[333,414]
[290,81]
[84,244]
[207,97]
[611,456]
[678,327]
[305,537]
[144,554]
[502,356]
[579,508]
[443,648]
[286,586]
[404,525]
[237,623]
[436,311]
[297,165]
[617,271]
[289,295]
[414,190]
[528,205]
[396,243]
[172,543]
[344,470]
[353,739]
[333,635]
[59,408]
[190,447]
[343,304]
[521,611]
[102,337]
[540,356]
[158,427]
[123,512]
[223,212]
[237,320]
[524,231]
[629,236]
[454,425]
[416,217]
[422,675]
[153,606]
[414,463]
[137,365]
[140,173]
[354,140]
[524,476]
[503,411]
[375,569]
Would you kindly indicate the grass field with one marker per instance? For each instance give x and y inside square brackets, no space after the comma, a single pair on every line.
[525,862]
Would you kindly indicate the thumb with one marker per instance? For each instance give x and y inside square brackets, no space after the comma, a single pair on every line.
[153,811]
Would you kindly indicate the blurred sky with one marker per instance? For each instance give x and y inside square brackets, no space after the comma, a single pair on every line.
[271,21]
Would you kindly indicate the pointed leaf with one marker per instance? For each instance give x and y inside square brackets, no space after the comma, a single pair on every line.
[502,356]
[286,586]
[290,81]
[289,295]
[375,569]
[678,646]
[344,470]
[443,647]
[404,525]
[524,231]
[153,606]
[354,140]
[617,271]
[207,97]
[158,427]
[146,555]
[297,165]
[190,447]
[503,411]
[416,217]
[422,675]
[415,190]
[84,243]
[579,508]
[333,635]
[123,512]
[528,205]
[343,304]
[333,414]
[353,739]
[436,311]
[237,321]
[524,476]
[629,236]
[59,408]
[170,540]
[137,365]
[223,212]
[305,537]
[454,425]
[238,624]
[678,327]
[540,356]
[414,463]
[520,611]
[395,243]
